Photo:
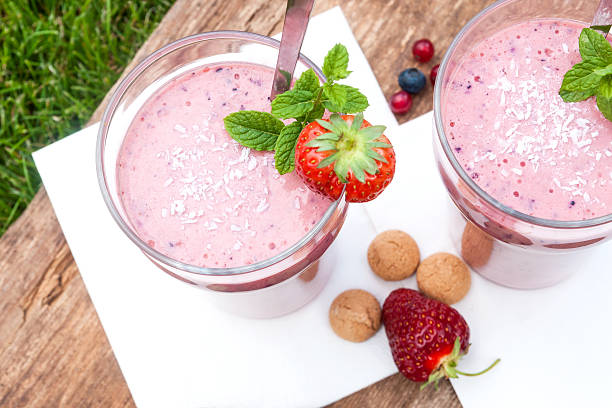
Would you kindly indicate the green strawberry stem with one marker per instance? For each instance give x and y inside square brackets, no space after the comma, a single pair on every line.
[480,372]
[447,367]
[352,147]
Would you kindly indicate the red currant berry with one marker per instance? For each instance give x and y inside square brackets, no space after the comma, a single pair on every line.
[434,74]
[423,50]
[400,102]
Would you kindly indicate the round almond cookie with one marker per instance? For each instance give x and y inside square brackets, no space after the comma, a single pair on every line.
[393,255]
[355,315]
[444,277]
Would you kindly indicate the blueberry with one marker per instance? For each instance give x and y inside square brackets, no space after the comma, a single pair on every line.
[411,80]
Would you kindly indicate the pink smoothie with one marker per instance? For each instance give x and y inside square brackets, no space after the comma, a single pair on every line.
[194,194]
[514,135]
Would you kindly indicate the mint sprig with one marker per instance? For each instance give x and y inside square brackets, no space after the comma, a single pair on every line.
[305,103]
[594,45]
[354,102]
[292,104]
[592,76]
[336,63]
[335,94]
[253,129]
[284,151]
[308,81]
[604,97]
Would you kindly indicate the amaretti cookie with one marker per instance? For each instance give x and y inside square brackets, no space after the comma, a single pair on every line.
[393,255]
[355,315]
[444,277]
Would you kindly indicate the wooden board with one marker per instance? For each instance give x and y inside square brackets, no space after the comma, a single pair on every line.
[53,351]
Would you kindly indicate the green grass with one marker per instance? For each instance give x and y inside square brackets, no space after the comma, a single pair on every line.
[57,61]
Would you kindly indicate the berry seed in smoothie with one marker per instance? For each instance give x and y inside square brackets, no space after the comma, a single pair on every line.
[193,193]
[514,135]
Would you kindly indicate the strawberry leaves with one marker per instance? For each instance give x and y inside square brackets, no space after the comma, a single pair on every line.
[305,102]
[591,76]
[352,147]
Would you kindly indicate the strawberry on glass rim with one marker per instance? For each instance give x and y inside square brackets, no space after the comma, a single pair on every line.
[345,151]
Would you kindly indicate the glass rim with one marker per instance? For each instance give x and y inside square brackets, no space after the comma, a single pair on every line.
[544,222]
[103,129]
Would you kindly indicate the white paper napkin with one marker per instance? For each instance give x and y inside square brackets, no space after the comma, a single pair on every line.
[173,347]
[552,342]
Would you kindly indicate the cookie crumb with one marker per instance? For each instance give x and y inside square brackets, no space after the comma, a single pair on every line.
[355,315]
[393,255]
[444,277]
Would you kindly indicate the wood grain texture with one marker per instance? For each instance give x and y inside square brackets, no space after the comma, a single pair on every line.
[53,351]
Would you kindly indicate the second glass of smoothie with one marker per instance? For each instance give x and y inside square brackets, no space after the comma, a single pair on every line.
[530,173]
[202,207]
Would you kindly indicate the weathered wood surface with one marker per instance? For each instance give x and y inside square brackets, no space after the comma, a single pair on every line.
[53,351]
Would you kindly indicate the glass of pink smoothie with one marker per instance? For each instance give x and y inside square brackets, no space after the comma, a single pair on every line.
[203,208]
[530,174]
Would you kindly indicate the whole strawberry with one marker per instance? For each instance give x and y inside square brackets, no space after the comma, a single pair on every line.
[345,150]
[427,337]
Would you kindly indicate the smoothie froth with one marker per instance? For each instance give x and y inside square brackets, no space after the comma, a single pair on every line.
[513,134]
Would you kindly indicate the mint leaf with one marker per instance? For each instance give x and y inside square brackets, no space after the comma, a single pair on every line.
[594,45]
[316,113]
[582,77]
[604,71]
[576,96]
[284,156]
[253,129]
[292,104]
[604,97]
[336,63]
[309,81]
[335,93]
[355,101]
